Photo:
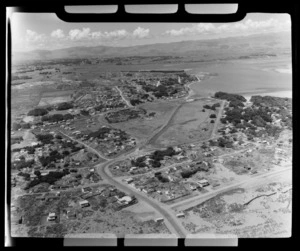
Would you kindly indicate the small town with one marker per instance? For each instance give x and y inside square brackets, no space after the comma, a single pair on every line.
[183,138]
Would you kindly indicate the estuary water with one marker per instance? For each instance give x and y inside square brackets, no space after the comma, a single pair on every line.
[246,77]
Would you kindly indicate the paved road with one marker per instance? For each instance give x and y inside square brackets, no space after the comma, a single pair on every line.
[126,101]
[169,218]
[202,197]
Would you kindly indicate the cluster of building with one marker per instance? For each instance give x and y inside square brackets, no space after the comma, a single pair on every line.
[167,185]
[100,99]
[114,197]
[126,167]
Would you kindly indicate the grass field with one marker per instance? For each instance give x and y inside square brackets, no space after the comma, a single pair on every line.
[144,128]
[55,97]
[189,124]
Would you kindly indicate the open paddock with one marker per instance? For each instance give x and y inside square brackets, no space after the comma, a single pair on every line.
[53,98]
[190,123]
[143,128]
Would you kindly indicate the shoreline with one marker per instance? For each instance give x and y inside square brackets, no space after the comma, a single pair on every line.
[281,94]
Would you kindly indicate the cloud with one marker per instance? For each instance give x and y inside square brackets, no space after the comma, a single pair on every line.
[193,30]
[141,33]
[57,34]
[248,26]
[32,36]
[117,34]
[79,34]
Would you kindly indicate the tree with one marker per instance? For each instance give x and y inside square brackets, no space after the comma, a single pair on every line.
[65,153]
[37,173]
[45,138]
[25,125]
[212,121]
[64,106]
[84,112]
[58,136]
[230,97]
[213,116]
[16,126]
[37,112]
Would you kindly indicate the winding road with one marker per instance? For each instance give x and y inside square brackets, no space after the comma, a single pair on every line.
[169,218]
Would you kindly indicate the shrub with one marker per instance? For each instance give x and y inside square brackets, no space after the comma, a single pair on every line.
[37,112]
[45,138]
[16,126]
[230,97]
[64,106]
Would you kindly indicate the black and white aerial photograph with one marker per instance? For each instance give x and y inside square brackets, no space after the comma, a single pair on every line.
[158,128]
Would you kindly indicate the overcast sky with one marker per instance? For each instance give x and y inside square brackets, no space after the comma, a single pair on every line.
[45,31]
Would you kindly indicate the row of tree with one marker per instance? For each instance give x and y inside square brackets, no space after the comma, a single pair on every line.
[57,117]
[212,107]
[37,112]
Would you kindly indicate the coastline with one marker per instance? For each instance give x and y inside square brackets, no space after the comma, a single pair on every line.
[280,94]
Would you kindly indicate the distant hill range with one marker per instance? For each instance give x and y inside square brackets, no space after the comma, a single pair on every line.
[269,43]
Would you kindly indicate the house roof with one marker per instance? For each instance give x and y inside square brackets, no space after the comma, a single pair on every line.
[126,198]
[83,202]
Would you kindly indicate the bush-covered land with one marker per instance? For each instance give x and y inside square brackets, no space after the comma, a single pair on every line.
[45,138]
[212,107]
[194,168]
[155,158]
[222,142]
[271,101]
[37,112]
[57,117]
[23,164]
[124,115]
[50,178]
[260,115]
[230,97]
[64,106]
[52,157]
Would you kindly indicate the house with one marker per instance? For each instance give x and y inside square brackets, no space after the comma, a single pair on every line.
[84,203]
[54,187]
[193,188]
[132,168]
[125,199]
[51,217]
[180,215]
[159,220]
[128,180]
[71,215]
[203,183]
